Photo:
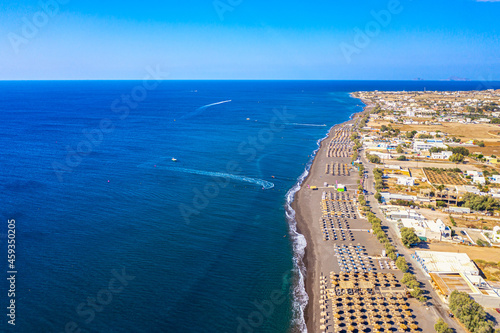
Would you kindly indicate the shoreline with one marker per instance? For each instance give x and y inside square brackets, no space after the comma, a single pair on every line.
[303,217]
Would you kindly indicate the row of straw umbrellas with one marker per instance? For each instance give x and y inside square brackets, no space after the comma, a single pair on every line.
[382,279]
[370,276]
[378,311]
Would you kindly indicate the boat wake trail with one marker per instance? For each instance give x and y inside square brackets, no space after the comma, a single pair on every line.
[201,109]
[209,105]
[264,183]
[298,124]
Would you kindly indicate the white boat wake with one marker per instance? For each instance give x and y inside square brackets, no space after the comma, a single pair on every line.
[298,124]
[209,105]
[201,109]
[264,183]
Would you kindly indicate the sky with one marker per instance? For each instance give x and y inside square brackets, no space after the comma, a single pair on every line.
[250,39]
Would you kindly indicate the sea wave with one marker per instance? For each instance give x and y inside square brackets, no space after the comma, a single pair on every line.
[299,243]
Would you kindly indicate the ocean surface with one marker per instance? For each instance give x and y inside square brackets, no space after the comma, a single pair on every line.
[112,235]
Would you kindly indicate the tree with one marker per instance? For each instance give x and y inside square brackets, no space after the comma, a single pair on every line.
[410,280]
[482,243]
[452,220]
[460,150]
[470,313]
[373,158]
[456,158]
[480,202]
[442,327]
[399,149]
[378,196]
[411,134]
[402,158]
[401,264]
[408,237]
[436,149]
[416,292]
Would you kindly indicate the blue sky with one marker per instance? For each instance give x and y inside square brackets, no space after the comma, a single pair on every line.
[250,39]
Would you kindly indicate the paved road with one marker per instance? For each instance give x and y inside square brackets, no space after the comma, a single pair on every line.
[436,306]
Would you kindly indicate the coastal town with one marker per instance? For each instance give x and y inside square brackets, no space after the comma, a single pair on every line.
[403,216]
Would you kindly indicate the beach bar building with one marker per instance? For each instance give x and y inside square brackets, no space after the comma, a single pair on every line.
[451,271]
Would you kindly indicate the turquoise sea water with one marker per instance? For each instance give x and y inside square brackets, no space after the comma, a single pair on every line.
[112,235]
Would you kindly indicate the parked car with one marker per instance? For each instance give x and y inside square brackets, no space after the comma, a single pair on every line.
[463,232]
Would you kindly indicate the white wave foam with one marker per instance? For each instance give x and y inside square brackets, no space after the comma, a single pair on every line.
[264,183]
[299,243]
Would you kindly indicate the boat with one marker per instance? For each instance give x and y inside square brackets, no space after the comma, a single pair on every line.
[174,159]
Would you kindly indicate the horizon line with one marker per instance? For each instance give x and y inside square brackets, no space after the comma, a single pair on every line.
[137,79]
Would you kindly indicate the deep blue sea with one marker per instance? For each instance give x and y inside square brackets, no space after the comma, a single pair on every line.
[112,235]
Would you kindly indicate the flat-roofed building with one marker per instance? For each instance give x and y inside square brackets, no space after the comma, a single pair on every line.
[448,262]
[451,271]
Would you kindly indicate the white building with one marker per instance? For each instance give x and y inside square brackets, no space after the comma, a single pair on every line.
[479,180]
[405,181]
[419,145]
[444,155]
[459,210]
[438,226]
[446,262]
[495,179]
[405,214]
[384,156]
[473,173]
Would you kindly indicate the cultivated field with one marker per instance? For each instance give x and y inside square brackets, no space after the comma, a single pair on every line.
[444,176]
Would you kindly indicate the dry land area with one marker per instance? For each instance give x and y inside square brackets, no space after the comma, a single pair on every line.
[474,252]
